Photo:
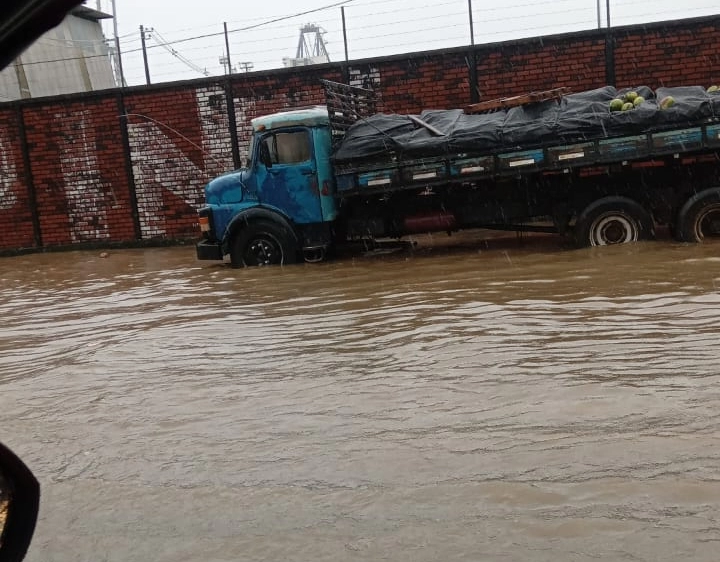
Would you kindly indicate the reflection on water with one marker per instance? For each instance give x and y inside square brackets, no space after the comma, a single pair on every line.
[498,402]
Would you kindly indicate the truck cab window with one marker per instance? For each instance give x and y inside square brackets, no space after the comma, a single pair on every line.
[288,148]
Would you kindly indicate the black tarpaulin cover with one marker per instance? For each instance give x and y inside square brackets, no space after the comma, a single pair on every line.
[577,117]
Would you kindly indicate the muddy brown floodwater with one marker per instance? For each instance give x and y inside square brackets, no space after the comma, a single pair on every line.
[503,402]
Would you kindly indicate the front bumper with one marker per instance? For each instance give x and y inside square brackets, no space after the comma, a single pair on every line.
[207,250]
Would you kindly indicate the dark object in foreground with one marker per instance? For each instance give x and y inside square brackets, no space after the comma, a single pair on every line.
[23,21]
[20,498]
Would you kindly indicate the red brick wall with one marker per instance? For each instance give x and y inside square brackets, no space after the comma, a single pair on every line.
[669,56]
[575,62]
[412,84]
[77,164]
[15,210]
[179,139]
[93,187]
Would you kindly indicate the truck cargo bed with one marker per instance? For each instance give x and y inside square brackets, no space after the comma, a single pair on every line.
[376,152]
[360,177]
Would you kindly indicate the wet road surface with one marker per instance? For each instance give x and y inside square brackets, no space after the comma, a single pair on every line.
[502,402]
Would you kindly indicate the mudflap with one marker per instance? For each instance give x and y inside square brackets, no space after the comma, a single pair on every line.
[209,250]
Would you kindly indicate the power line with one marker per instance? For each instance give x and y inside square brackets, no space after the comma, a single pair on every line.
[69,59]
[321,22]
[394,24]
[155,34]
[72,41]
[247,45]
[262,24]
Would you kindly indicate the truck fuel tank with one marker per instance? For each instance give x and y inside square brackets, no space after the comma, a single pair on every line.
[429,222]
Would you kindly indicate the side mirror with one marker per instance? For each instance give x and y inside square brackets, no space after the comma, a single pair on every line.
[19,504]
[265,155]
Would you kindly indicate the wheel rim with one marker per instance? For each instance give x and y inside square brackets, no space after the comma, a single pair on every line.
[708,223]
[613,229]
[263,250]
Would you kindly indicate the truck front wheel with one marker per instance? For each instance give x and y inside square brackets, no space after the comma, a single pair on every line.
[612,220]
[699,217]
[263,243]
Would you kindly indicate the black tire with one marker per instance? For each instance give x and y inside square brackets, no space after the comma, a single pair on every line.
[699,217]
[263,242]
[613,220]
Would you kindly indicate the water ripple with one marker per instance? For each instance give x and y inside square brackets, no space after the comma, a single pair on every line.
[564,392]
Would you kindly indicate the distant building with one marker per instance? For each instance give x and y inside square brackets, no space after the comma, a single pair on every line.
[311,48]
[73,57]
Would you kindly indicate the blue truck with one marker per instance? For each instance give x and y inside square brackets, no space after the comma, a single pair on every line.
[323,177]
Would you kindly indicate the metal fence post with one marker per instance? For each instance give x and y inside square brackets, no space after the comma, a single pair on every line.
[129,173]
[342,11]
[29,180]
[472,30]
[227,49]
[607,8]
[472,60]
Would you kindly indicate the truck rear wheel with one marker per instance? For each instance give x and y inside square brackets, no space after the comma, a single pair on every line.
[612,220]
[263,243]
[699,217]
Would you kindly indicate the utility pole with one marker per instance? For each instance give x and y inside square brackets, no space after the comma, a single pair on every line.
[118,53]
[145,57]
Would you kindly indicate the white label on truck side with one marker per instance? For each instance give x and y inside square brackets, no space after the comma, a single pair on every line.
[425,176]
[381,181]
[517,163]
[471,169]
[571,155]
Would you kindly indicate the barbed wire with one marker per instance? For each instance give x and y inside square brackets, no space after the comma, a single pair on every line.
[359,28]
[367,31]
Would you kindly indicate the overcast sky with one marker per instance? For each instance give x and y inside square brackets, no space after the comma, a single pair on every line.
[263,33]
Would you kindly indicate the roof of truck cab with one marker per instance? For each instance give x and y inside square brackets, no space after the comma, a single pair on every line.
[309,116]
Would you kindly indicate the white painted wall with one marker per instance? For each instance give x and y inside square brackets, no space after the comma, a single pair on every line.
[80,62]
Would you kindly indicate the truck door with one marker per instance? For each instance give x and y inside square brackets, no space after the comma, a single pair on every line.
[289,180]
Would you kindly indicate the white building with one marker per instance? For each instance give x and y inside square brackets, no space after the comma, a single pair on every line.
[73,57]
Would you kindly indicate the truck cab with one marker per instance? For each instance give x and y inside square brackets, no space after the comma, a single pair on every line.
[282,205]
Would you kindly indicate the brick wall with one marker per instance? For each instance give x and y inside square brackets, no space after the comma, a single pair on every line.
[576,62]
[669,55]
[179,139]
[411,84]
[15,206]
[123,166]
[78,174]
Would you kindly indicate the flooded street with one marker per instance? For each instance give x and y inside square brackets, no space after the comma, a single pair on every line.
[511,402]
